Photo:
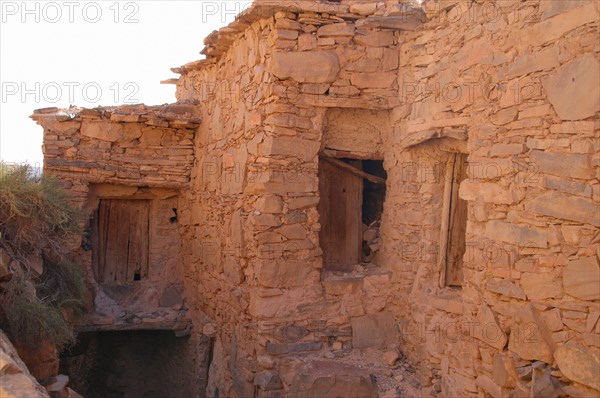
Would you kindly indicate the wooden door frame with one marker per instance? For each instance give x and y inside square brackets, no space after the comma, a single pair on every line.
[451,191]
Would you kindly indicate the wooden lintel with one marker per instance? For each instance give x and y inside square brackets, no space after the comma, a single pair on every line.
[122,327]
[353,170]
[340,154]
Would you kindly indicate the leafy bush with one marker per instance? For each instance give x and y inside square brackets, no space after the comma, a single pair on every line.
[36,218]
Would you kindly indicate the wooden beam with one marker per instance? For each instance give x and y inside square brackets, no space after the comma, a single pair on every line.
[353,170]
[143,325]
[340,154]
[445,225]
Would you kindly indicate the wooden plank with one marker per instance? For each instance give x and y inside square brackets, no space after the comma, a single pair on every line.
[137,260]
[104,213]
[339,154]
[111,253]
[123,240]
[354,170]
[444,227]
[125,208]
[340,208]
[133,254]
[457,227]
[143,325]
[94,241]
[354,221]
[144,238]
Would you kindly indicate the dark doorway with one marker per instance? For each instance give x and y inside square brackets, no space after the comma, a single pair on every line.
[133,364]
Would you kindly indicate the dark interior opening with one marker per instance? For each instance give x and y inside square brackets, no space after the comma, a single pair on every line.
[372,208]
[140,364]
[173,219]
[373,193]
[352,194]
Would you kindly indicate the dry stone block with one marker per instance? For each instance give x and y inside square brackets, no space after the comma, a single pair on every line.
[410,21]
[294,231]
[307,42]
[105,131]
[539,286]
[373,80]
[271,204]
[307,66]
[574,89]
[567,185]
[328,379]
[553,320]
[506,287]
[489,192]
[581,278]
[303,202]
[336,29]
[363,8]
[488,330]
[553,28]
[374,39]
[500,371]
[503,150]
[565,207]
[563,164]
[488,385]
[290,273]
[530,337]
[291,147]
[373,330]
[579,364]
[542,60]
[520,235]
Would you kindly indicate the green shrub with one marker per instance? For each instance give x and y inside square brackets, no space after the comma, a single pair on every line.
[36,218]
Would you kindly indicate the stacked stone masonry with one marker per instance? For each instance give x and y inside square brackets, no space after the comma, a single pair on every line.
[511,87]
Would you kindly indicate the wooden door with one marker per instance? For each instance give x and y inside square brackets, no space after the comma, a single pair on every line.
[340,209]
[122,247]
[457,225]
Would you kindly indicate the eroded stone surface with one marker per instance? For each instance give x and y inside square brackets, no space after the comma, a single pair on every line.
[306,67]
[574,89]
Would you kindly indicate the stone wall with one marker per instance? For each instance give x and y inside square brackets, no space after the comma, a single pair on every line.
[512,85]
[137,154]
[253,237]
[519,82]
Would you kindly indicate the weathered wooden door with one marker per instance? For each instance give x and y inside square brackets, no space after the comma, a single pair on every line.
[457,225]
[340,209]
[122,242]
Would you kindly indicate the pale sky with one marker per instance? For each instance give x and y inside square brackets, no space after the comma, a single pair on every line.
[92,53]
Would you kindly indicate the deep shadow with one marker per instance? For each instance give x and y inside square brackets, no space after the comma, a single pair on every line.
[140,364]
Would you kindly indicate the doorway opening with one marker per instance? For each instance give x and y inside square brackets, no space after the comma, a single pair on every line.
[128,364]
[352,194]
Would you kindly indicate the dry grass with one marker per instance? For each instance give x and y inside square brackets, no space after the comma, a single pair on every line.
[36,218]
